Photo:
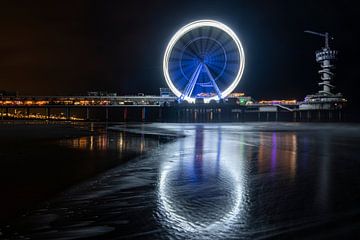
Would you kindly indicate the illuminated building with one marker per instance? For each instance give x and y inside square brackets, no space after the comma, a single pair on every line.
[324,99]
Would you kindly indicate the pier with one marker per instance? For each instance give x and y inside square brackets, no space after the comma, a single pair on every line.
[157,109]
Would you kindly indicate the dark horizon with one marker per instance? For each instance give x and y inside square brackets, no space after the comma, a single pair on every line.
[53,48]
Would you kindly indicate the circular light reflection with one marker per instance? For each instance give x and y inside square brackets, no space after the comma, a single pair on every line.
[176,214]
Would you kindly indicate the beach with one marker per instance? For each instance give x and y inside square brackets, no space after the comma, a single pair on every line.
[208,181]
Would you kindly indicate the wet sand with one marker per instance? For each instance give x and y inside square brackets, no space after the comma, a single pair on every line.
[38,160]
[221,181]
[32,168]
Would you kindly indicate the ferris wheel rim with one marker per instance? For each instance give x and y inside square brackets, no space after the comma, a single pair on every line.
[189,27]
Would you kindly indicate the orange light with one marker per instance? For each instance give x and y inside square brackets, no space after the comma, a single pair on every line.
[286,102]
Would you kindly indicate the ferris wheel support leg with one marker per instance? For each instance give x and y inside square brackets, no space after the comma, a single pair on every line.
[190,86]
[218,92]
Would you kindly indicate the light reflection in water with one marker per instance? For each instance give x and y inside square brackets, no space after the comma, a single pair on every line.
[121,141]
[293,155]
[273,153]
[201,188]
[114,141]
[142,143]
[91,143]
[324,180]
[218,182]
[278,153]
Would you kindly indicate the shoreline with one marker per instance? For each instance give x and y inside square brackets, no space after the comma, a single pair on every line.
[212,158]
[38,161]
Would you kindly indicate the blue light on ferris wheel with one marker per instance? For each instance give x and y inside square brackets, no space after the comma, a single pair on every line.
[204,59]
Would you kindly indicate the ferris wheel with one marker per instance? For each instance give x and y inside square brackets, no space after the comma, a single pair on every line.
[204,59]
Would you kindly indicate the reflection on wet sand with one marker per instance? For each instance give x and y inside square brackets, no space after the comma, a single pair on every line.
[219,182]
[201,189]
[278,153]
[105,142]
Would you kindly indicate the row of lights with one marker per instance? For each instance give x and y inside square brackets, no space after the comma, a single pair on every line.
[39,116]
[67,102]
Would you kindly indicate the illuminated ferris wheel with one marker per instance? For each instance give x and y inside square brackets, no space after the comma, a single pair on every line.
[204,59]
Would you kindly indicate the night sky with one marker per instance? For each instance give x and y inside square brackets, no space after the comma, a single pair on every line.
[71,47]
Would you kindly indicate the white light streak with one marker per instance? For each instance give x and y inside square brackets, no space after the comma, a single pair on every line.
[187,28]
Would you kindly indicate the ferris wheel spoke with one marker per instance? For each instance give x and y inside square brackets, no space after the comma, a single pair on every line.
[181,50]
[193,45]
[185,45]
[186,68]
[233,61]
[200,41]
[188,71]
[216,46]
[193,50]
[217,90]
[209,32]
[221,43]
[217,51]
[231,52]
[221,54]
[187,57]
[217,64]
[215,68]
[191,84]
[226,43]
[210,45]
[184,55]
[185,63]
[214,38]
[189,54]
[178,58]
[229,73]
[205,44]
[198,47]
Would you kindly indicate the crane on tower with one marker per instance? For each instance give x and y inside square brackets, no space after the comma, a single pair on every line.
[325,35]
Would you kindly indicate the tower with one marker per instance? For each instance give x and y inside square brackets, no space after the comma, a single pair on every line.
[325,98]
[325,57]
